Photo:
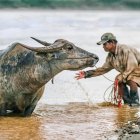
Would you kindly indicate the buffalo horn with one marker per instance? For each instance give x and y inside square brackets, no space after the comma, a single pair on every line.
[41,42]
[51,48]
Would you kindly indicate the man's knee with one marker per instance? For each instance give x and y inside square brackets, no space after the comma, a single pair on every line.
[133,85]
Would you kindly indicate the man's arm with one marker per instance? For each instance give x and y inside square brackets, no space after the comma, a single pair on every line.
[99,71]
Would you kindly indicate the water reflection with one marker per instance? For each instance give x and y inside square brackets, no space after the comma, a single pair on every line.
[126,114]
[90,121]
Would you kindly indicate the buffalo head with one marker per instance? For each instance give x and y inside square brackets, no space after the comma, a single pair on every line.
[66,54]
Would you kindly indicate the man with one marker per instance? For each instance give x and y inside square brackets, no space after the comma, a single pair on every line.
[125,60]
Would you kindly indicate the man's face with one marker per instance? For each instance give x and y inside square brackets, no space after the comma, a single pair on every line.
[108,46]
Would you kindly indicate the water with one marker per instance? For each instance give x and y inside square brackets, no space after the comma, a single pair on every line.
[76,121]
[70,109]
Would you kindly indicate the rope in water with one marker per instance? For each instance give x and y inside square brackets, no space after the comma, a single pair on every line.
[114,96]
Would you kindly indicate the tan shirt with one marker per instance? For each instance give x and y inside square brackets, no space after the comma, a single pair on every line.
[126,61]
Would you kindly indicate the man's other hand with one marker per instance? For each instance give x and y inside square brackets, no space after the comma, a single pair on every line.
[120,78]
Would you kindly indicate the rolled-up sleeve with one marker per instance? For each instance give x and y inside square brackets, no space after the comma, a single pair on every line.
[101,70]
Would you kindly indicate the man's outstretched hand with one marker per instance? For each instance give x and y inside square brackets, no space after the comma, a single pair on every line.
[80,75]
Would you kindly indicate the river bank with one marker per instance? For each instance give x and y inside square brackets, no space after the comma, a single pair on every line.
[130,131]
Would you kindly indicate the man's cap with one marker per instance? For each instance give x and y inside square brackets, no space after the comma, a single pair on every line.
[106,37]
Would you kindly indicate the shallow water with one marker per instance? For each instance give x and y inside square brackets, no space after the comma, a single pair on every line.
[75,121]
[70,109]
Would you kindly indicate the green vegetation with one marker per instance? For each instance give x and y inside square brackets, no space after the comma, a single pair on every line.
[71,4]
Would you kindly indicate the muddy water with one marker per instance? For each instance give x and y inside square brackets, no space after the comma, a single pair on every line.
[75,121]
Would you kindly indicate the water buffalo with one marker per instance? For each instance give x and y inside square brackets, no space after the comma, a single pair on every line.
[25,70]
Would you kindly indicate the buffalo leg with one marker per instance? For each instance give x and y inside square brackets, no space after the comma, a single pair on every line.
[3,111]
[28,111]
[16,110]
[30,107]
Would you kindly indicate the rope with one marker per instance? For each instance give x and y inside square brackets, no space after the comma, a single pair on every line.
[117,95]
[86,93]
[109,97]
[104,75]
[114,96]
[113,99]
[51,72]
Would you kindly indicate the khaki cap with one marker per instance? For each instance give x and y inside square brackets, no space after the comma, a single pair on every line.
[106,37]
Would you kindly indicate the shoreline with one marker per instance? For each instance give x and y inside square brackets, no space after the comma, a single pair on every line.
[130,131]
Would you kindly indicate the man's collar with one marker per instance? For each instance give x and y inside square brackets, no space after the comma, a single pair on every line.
[116,50]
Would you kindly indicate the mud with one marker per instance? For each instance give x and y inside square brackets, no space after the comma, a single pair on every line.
[130,131]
